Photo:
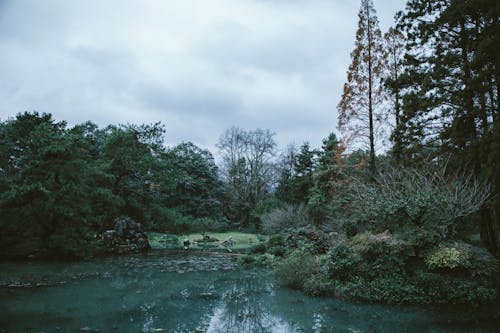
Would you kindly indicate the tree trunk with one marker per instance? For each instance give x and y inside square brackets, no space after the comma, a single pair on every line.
[370,98]
[490,230]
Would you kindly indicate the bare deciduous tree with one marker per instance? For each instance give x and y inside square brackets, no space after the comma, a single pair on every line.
[247,169]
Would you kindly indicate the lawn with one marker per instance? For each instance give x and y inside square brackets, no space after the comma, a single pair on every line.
[241,241]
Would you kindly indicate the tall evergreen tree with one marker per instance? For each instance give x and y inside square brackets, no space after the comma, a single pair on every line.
[450,83]
[305,165]
[325,179]
[394,55]
[361,103]
[450,89]
[286,174]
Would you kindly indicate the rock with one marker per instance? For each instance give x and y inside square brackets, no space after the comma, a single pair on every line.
[126,237]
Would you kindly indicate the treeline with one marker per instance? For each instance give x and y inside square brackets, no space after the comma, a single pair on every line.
[61,187]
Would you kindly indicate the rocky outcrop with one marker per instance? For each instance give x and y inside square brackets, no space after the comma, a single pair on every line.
[126,237]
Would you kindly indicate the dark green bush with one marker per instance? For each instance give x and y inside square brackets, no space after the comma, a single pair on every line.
[320,285]
[482,264]
[383,268]
[278,251]
[246,260]
[318,239]
[447,289]
[391,290]
[266,260]
[298,267]
[343,263]
[350,226]
[276,240]
[258,249]
[263,260]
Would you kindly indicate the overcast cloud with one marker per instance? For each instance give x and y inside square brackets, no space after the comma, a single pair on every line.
[199,67]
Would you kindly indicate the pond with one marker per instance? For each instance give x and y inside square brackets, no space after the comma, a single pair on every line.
[188,292]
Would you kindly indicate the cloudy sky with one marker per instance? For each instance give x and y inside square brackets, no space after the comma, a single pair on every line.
[198,66]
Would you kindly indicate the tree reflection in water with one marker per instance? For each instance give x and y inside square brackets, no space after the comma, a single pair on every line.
[247,307]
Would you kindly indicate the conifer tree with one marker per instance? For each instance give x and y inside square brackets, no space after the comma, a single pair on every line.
[394,55]
[305,165]
[450,89]
[450,83]
[361,104]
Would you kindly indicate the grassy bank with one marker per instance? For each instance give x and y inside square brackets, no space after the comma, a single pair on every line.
[215,241]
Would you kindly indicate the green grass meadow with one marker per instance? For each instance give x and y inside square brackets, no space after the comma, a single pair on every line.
[241,241]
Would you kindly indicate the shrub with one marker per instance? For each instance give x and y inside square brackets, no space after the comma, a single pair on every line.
[448,256]
[446,289]
[317,238]
[278,251]
[276,240]
[298,267]
[264,260]
[375,268]
[342,263]
[320,285]
[258,249]
[368,244]
[350,226]
[482,264]
[458,255]
[171,220]
[246,260]
[391,290]
[421,198]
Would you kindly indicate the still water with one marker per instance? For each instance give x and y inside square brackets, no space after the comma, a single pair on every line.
[168,292]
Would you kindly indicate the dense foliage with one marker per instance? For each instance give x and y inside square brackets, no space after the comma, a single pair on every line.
[61,187]
[419,229]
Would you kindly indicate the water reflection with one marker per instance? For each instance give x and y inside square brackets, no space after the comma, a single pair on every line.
[245,308]
[191,293]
